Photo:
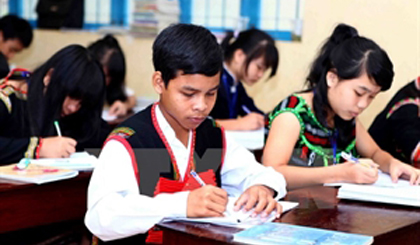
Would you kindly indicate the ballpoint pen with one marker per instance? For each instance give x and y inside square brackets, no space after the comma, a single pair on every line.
[197,178]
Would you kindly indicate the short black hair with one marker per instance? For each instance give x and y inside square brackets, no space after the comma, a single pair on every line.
[255,44]
[13,26]
[188,48]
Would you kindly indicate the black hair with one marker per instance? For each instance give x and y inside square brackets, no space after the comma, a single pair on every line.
[4,66]
[349,56]
[109,53]
[76,74]
[255,44]
[187,48]
[16,27]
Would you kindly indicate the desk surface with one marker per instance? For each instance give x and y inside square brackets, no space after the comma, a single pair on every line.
[28,205]
[319,208]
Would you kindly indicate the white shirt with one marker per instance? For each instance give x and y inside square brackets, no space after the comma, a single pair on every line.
[117,210]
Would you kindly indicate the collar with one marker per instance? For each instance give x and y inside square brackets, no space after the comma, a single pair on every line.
[230,73]
[166,128]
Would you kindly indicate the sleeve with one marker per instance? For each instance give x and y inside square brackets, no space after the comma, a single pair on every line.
[245,100]
[241,171]
[14,149]
[405,126]
[128,91]
[115,207]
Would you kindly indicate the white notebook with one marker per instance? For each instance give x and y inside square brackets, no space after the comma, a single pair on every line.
[238,219]
[383,190]
[252,139]
[81,161]
[384,180]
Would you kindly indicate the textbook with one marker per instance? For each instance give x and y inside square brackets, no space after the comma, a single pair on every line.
[35,173]
[238,219]
[383,190]
[81,161]
[286,234]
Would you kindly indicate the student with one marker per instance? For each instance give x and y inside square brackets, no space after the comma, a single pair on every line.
[15,35]
[309,130]
[245,61]
[68,88]
[397,128]
[144,171]
[109,53]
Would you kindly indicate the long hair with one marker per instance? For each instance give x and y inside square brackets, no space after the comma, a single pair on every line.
[255,44]
[349,56]
[109,53]
[75,74]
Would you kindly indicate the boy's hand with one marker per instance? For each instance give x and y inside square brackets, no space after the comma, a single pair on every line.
[207,201]
[261,199]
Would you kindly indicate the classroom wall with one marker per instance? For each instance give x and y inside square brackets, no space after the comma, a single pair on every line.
[393,24]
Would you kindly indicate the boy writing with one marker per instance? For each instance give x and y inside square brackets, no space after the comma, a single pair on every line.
[147,163]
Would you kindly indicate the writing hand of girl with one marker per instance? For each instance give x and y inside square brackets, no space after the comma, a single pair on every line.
[57,147]
[252,121]
[118,108]
[365,172]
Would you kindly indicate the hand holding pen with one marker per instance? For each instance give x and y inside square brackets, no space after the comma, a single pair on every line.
[206,201]
[360,171]
[364,162]
[57,147]
[251,121]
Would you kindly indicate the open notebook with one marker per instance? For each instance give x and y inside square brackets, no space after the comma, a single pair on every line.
[81,161]
[383,190]
[237,219]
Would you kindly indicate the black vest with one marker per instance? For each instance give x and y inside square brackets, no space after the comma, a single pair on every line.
[143,139]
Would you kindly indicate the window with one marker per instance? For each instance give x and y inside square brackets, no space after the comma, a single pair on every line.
[97,13]
[282,19]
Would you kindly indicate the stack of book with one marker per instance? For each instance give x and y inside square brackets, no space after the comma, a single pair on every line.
[152,16]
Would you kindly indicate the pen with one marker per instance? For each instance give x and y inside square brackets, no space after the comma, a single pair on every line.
[197,178]
[246,110]
[349,157]
[57,127]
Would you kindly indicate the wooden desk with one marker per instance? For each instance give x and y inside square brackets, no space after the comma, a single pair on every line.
[25,206]
[319,208]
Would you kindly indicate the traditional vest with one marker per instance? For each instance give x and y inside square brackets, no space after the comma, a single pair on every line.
[155,165]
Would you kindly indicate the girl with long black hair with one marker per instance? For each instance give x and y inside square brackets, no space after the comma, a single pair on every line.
[68,88]
[312,128]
